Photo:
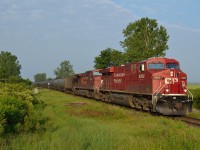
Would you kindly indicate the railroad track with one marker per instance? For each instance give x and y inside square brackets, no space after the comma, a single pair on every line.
[189,120]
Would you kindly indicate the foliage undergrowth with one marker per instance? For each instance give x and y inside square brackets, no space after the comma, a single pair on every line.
[82,124]
[196,96]
[20,110]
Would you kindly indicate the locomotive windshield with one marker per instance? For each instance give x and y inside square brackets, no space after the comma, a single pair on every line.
[156,66]
[172,66]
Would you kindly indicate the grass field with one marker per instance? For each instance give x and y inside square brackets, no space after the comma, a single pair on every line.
[81,124]
[193,86]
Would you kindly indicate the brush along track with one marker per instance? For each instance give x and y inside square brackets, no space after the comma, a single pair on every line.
[191,121]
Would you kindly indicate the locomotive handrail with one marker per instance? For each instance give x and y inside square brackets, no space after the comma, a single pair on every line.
[190,93]
[157,91]
[154,95]
[161,89]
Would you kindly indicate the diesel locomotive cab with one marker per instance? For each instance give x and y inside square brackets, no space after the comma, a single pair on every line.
[170,95]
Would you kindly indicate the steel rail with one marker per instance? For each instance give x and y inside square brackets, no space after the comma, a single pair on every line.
[189,120]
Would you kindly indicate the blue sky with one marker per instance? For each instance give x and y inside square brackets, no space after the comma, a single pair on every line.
[43,33]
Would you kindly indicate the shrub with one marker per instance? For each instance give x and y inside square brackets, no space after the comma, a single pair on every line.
[196,94]
[20,110]
[2,125]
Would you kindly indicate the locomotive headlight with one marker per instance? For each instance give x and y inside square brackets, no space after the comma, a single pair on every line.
[167,90]
[185,90]
[171,73]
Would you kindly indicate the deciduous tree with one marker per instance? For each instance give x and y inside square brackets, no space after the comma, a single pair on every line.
[64,70]
[40,77]
[9,66]
[109,57]
[144,39]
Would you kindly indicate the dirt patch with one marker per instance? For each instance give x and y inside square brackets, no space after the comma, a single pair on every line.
[76,104]
[87,113]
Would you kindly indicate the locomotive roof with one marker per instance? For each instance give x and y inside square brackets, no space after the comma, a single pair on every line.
[160,59]
[88,72]
[150,60]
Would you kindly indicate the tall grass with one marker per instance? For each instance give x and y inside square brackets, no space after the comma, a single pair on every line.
[98,126]
[193,86]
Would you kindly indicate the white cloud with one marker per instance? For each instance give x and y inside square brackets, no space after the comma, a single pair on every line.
[180,27]
[76,30]
[60,29]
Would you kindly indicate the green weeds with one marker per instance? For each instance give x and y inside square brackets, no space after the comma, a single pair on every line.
[196,95]
[20,110]
[97,125]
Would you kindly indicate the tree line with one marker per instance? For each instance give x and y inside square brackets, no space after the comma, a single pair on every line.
[64,70]
[143,39]
[10,69]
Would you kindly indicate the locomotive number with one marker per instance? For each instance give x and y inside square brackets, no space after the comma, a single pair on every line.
[171,80]
[141,76]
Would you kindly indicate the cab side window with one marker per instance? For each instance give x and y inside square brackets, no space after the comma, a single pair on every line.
[142,67]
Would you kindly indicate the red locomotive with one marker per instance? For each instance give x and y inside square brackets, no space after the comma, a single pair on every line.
[86,84]
[155,84]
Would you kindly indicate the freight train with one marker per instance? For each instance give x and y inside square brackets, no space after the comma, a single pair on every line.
[155,85]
